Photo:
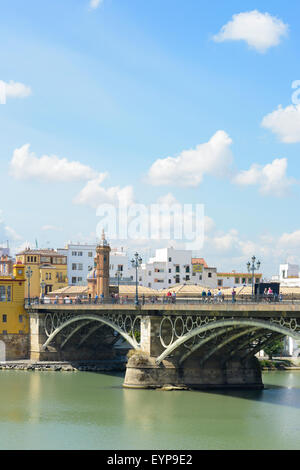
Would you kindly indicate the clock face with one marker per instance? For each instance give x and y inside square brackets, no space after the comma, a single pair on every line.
[20,271]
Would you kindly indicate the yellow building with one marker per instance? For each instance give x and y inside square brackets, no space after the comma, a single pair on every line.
[14,322]
[48,271]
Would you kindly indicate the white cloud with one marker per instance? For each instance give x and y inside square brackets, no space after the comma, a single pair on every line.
[188,169]
[94,194]
[271,178]
[7,232]
[47,228]
[260,30]
[25,165]
[290,240]
[95,4]
[285,122]
[14,90]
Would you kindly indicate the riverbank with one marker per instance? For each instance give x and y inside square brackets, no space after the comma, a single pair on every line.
[279,364]
[120,365]
[87,366]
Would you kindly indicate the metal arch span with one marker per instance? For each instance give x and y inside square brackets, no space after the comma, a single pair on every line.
[261,324]
[92,317]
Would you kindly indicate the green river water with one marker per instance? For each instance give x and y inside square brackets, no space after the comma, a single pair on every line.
[91,411]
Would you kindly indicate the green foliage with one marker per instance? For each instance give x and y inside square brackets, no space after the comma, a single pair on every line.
[275,348]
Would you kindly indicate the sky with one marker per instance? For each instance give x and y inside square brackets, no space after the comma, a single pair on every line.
[160,102]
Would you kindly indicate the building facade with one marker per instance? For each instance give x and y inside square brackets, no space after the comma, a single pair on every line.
[48,271]
[235,279]
[170,267]
[14,322]
[80,261]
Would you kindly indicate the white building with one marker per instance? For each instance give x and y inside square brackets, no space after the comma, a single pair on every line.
[289,275]
[170,266]
[81,261]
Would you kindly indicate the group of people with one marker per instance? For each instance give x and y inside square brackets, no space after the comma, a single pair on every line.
[208,296]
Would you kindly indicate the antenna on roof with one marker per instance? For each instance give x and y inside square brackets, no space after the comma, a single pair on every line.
[36,244]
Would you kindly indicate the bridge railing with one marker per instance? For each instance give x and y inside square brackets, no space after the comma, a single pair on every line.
[216,300]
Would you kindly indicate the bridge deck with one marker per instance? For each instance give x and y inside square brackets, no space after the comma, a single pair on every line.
[224,309]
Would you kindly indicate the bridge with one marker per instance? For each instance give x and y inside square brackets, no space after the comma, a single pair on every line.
[191,344]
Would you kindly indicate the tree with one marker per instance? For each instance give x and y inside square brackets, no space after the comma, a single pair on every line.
[275,348]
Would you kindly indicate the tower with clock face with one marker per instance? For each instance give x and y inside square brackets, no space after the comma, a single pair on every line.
[102,268]
[19,271]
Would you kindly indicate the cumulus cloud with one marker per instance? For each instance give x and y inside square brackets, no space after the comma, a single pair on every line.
[93,193]
[189,167]
[94,4]
[7,232]
[26,165]
[271,178]
[13,90]
[285,123]
[260,30]
[54,228]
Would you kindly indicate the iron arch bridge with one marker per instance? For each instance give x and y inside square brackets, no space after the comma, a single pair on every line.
[181,336]
[66,324]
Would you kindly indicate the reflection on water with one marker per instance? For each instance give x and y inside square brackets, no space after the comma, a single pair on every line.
[55,410]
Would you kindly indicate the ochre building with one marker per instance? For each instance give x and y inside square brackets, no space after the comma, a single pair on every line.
[48,271]
[14,322]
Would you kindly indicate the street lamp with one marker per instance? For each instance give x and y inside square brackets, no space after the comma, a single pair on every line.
[43,285]
[252,267]
[136,263]
[118,276]
[28,274]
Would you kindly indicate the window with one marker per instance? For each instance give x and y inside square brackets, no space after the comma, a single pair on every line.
[73,280]
[243,280]
[80,267]
[149,273]
[220,282]
[4,318]
[170,281]
[90,254]
[170,259]
[4,332]
[79,253]
[74,266]
[257,280]
[177,269]
[49,276]
[120,267]
[20,318]
[187,269]
[79,279]
[8,293]
[187,278]
[170,270]
[200,277]
[209,275]
[74,253]
[2,294]
[237,280]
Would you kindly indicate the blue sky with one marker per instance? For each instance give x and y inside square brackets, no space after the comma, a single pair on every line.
[125,84]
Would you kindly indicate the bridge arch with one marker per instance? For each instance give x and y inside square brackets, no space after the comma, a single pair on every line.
[240,322]
[91,317]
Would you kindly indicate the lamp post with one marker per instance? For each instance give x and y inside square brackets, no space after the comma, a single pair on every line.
[43,285]
[136,263]
[28,274]
[118,276]
[252,267]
